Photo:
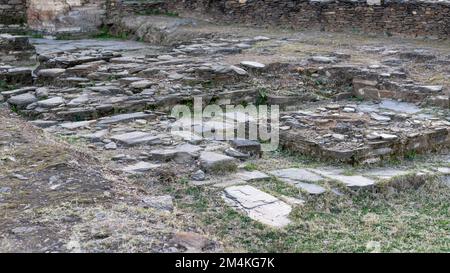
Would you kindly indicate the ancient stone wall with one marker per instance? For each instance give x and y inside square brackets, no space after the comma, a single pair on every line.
[120,8]
[12,11]
[417,18]
[65,15]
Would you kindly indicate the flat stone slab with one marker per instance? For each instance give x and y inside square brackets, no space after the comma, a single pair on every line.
[258,205]
[252,176]
[385,173]
[217,163]
[22,100]
[51,72]
[443,170]
[352,181]
[251,64]
[140,167]
[162,202]
[397,106]
[188,136]
[135,138]
[50,103]
[310,188]
[76,124]
[297,175]
[124,117]
[229,183]
[323,59]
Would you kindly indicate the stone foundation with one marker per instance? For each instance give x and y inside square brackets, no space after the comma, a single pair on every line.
[12,11]
[417,18]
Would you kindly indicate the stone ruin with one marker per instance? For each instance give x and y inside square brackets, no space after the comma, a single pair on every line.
[359,104]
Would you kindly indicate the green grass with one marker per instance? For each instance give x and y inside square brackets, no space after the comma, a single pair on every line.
[250,167]
[4,86]
[412,220]
[106,34]
[158,12]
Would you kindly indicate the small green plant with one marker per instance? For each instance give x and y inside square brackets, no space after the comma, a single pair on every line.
[262,96]
[158,12]
[14,109]
[411,155]
[357,98]
[250,167]
[105,33]
[4,86]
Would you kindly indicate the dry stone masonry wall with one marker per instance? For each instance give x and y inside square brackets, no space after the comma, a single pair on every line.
[12,11]
[417,18]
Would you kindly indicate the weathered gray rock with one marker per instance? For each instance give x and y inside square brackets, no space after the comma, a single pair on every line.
[76,124]
[254,65]
[163,202]
[385,173]
[310,188]
[236,154]
[141,84]
[21,101]
[50,103]
[297,175]
[97,136]
[251,176]
[251,147]
[198,176]
[111,146]
[217,163]
[398,106]
[15,92]
[323,59]
[378,117]
[352,181]
[43,123]
[136,138]
[431,88]
[140,167]
[258,205]
[125,117]
[42,93]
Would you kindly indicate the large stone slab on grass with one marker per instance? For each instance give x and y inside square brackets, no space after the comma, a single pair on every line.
[352,181]
[250,176]
[217,163]
[310,188]
[258,205]
[385,173]
[298,177]
[136,138]
[51,72]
